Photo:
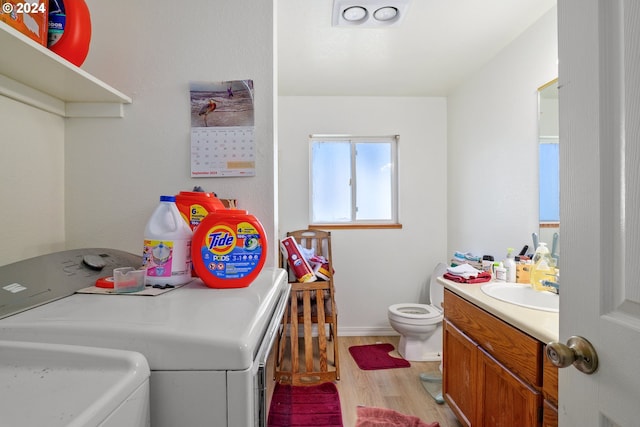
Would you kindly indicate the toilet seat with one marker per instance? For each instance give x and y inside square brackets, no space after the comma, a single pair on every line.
[415,311]
[420,325]
[422,314]
[415,314]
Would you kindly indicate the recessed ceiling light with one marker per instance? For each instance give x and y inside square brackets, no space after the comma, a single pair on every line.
[354,13]
[385,13]
[369,13]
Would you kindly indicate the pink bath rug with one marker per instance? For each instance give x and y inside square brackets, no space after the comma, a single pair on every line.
[382,417]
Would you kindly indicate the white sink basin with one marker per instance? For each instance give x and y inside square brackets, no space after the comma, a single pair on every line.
[59,385]
[522,295]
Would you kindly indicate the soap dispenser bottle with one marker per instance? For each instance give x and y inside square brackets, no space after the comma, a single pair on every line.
[509,264]
[543,268]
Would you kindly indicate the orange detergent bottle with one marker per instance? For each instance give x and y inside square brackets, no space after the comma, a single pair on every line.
[229,249]
[194,206]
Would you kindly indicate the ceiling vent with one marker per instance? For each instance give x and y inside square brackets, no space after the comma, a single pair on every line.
[368,13]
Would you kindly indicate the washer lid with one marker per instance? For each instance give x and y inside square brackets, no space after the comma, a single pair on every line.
[436,290]
[190,328]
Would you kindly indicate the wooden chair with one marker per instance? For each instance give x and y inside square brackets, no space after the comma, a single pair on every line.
[311,304]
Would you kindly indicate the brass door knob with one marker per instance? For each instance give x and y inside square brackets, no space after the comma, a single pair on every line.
[577,352]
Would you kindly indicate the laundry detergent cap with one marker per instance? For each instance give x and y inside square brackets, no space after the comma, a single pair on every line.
[229,249]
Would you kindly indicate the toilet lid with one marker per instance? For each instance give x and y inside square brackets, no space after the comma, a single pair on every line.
[436,290]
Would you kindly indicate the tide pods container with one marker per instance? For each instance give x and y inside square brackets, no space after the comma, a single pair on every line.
[229,249]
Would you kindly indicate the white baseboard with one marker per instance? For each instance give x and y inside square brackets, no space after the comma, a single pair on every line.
[354,331]
[365,331]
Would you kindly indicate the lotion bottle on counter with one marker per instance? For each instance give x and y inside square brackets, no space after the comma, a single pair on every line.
[509,264]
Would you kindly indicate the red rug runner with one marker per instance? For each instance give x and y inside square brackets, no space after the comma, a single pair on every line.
[308,406]
[376,356]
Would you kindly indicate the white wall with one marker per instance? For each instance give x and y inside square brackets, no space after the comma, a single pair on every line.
[31,182]
[476,194]
[116,169]
[374,268]
[468,165]
[492,147]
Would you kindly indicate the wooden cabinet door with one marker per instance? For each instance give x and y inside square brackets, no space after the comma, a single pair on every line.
[460,365]
[549,415]
[504,400]
[549,382]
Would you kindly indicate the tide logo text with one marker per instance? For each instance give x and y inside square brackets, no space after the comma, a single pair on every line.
[220,240]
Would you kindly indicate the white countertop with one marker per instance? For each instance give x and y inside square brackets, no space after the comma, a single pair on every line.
[542,325]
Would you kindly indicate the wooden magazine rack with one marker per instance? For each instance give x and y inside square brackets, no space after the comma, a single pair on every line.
[309,330]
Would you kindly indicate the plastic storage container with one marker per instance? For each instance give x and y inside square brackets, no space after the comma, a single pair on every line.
[229,249]
[167,246]
[542,268]
[128,279]
[523,271]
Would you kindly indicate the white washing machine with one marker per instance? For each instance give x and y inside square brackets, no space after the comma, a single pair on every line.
[58,385]
[206,348]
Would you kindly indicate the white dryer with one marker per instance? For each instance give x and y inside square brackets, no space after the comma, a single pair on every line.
[206,348]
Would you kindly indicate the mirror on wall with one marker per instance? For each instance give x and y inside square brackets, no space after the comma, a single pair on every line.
[549,164]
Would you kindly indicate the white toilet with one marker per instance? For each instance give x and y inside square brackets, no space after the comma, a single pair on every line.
[420,325]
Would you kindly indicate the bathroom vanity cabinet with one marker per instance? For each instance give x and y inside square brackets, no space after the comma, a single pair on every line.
[495,375]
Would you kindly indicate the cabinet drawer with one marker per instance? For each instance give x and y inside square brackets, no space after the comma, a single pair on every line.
[516,350]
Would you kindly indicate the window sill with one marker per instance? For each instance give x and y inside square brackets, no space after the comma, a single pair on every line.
[550,224]
[352,226]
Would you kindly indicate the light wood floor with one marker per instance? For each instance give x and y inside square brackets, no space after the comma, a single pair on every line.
[398,389]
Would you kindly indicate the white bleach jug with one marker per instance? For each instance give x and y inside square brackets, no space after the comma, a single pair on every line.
[167,246]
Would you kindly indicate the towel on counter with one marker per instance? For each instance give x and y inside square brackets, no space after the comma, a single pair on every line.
[481,277]
[464,270]
[464,257]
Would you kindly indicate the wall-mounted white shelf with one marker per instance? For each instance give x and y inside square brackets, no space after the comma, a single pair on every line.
[32,74]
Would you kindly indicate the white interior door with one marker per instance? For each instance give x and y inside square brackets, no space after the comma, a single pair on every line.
[599,82]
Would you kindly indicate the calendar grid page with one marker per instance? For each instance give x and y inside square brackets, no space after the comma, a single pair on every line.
[222,129]
[222,151]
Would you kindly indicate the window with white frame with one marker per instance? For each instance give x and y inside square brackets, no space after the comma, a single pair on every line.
[353,180]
